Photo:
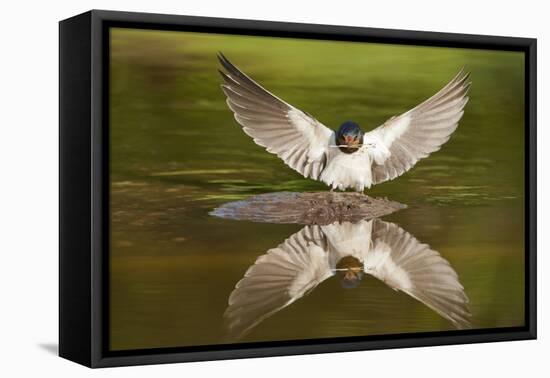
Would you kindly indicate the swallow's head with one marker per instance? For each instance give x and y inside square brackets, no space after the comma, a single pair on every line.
[350,136]
[350,272]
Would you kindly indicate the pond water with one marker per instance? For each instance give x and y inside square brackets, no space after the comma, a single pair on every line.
[177,154]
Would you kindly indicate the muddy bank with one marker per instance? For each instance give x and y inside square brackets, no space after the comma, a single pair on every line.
[307,208]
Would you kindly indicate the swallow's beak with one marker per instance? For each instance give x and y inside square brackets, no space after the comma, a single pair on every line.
[351,275]
[349,139]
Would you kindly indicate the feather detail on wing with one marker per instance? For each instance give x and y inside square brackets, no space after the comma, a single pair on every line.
[297,138]
[277,279]
[401,141]
[403,263]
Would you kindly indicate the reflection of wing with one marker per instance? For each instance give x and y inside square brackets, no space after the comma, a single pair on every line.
[405,264]
[296,137]
[401,141]
[278,278]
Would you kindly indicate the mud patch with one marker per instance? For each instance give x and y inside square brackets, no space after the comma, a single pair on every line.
[307,208]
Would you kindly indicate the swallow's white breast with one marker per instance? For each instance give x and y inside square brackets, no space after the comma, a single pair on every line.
[347,170]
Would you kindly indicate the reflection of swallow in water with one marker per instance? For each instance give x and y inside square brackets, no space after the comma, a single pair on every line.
[348,157]
[348,251]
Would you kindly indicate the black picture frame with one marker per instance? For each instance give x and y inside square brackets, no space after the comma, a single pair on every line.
[84,187]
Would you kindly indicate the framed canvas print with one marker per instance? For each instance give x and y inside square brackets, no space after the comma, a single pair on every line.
[233,188]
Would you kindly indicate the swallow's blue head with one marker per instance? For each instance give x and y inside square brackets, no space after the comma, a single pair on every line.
[350,135]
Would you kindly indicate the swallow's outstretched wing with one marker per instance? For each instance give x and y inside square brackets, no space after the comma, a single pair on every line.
[296,137]
[400,142]
[277,279]
[405,264]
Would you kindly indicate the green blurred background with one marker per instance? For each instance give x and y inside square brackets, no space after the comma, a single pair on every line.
[177,153]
